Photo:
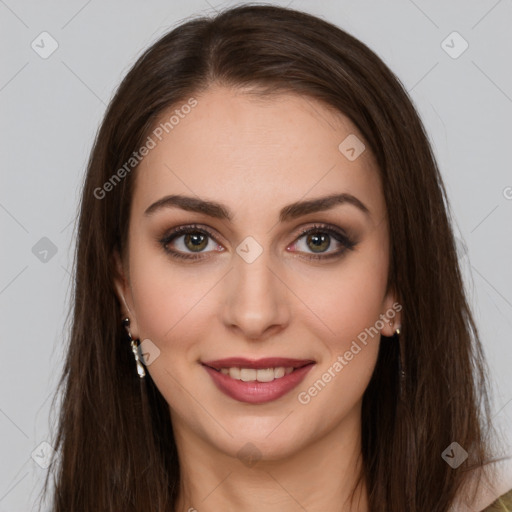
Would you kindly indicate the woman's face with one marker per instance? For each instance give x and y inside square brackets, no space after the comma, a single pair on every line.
[253,288]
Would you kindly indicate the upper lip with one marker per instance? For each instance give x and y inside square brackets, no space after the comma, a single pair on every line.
[266,362]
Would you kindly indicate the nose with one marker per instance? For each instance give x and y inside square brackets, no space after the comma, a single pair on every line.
[256,302]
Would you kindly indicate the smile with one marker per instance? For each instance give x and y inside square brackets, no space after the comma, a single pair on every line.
[258,385]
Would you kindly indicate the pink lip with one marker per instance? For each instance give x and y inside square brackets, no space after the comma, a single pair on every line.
[266,362]
[257,392]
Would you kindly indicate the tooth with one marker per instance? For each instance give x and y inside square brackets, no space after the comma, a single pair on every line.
[289,370]
[234,373]
[247,374]
[225,371]
[265,375]
[279,372]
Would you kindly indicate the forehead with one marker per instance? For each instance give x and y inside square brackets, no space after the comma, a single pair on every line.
[246,150]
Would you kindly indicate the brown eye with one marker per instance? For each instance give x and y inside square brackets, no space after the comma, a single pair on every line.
[318,240]
[195,241]
[189,240]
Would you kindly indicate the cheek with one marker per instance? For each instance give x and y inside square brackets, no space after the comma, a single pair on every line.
[350,306]
[347,301]
[347,297]
[165,294]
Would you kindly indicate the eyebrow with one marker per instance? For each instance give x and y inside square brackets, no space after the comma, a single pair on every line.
[287,213]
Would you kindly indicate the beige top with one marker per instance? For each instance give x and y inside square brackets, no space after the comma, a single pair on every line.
[502,504]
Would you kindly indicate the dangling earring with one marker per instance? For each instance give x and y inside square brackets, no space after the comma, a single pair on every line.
[133,343]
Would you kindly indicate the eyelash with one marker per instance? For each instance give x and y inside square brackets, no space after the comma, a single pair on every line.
[338,235]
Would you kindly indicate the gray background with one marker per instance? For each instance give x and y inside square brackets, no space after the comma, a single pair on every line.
[51,109]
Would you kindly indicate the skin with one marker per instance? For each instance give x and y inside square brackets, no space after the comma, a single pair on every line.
[256,155]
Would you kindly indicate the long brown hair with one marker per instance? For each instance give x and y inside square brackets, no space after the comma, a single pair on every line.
[115,439]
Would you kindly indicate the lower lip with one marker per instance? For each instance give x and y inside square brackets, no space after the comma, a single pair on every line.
[258,392]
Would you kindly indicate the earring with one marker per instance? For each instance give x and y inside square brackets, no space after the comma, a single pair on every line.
[133,343]
[391,322]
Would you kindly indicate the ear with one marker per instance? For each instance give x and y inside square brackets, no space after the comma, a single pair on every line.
[124,293]
[391,313]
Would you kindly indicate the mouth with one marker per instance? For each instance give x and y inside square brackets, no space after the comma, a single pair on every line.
[257,382]
[262,370]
